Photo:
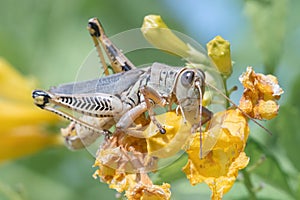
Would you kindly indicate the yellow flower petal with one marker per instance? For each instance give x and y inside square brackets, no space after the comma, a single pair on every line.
[159,35]
[13,114]
[219,167]
[219,51]
[13,85]
[23,141]
[176,136]
[221,185]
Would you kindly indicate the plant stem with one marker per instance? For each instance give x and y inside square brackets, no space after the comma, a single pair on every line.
[226,90]
[249,185]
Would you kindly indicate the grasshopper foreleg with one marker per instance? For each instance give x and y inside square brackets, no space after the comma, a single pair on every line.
[152,97]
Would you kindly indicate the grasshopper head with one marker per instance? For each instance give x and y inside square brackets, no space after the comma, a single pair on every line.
[41,98]
[189,88]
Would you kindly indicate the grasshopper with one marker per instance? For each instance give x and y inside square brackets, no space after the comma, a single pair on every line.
[121,98]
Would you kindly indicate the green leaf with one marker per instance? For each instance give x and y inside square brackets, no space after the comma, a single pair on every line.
[268,18]
[287,127]
[270,170]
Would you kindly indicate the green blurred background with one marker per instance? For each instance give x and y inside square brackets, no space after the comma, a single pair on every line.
[49,40]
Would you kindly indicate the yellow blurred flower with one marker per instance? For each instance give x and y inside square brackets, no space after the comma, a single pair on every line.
[260,96]
[22,130]
[218,50]
[219,168]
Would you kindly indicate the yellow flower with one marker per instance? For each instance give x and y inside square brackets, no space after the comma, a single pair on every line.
[219,51]
[219,168]
[22,129]
[159,35]
[260,96]
[176,137]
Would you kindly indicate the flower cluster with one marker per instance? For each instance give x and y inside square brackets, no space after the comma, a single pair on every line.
[215,155]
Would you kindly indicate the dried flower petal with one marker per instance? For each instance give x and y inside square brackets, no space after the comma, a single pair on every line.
[120,181]
[149,192]
[260,96]
[267,109]
[125,154]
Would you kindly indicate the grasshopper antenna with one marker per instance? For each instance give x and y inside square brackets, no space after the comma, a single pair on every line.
[251,118]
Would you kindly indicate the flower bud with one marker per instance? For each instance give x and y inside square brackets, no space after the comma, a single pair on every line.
[219,51]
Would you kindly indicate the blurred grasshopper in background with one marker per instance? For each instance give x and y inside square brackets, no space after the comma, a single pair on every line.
[117,100]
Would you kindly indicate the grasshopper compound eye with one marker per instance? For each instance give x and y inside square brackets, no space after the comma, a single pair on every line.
[41,98]
[187,78]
